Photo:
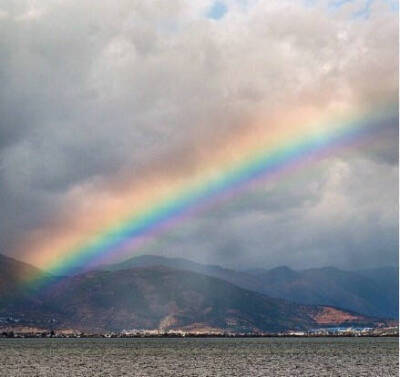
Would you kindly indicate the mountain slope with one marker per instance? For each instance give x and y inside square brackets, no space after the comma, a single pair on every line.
[387,279]
[371,292]
[12,272]
[156,297]
[19,298]
[238,278]
[331,286]
[13,277]
[160,297]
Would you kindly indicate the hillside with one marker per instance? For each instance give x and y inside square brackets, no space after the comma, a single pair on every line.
[238,278]
[18,297]
[371,292]
[161,297]
[13,272]
[352,290]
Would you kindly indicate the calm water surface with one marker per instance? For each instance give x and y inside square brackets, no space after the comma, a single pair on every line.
[200,357]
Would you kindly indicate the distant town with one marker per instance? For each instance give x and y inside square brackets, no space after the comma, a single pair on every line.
[27,332]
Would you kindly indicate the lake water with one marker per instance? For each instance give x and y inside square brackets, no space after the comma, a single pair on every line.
[200,357]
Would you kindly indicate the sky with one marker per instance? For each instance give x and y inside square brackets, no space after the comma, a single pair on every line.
[103,100]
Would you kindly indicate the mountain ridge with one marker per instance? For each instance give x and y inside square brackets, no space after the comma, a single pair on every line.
[364,292]
[165,298]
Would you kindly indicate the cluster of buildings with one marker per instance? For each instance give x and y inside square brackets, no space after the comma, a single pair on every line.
[33,332]
[327,331]
[10,319]
[346,331]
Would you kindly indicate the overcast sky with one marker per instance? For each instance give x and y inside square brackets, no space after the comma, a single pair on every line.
[92,89]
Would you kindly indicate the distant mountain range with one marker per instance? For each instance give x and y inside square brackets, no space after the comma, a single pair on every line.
[141,294]
[372,292]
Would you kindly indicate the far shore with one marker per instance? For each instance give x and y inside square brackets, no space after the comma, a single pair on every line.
[55,335]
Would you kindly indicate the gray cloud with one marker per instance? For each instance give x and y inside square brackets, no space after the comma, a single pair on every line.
[338,213]
[91,90]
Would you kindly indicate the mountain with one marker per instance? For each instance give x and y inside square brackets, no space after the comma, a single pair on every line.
[387,278]
[370,292]
[12,272]
[238,278]
[18,297]
[166,298]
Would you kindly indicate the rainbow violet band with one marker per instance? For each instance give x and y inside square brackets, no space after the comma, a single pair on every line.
[259,165]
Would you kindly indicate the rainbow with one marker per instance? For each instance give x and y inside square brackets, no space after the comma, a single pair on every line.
[268,159]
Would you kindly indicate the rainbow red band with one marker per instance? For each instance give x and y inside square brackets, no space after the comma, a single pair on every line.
[259,164]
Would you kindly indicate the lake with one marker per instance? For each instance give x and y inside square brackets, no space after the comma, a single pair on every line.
[200,357]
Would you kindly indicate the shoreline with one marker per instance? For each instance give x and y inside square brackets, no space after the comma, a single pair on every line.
[204,336]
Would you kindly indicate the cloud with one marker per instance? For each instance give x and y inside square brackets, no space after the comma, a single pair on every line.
[337,213]
[91,91]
